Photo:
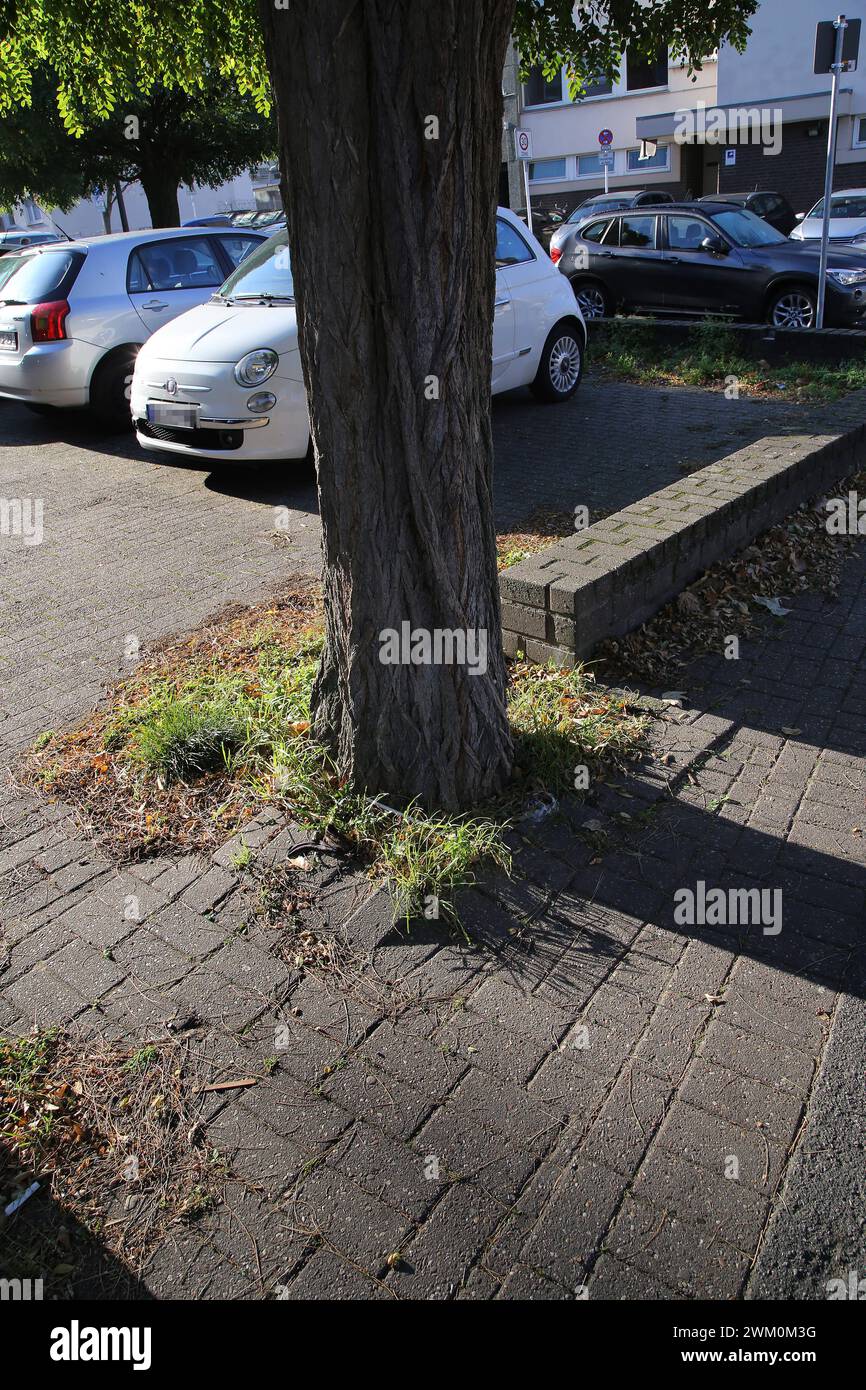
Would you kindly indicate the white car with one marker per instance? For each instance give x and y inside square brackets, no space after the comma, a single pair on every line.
[73,314]
[224,381]
[847,217]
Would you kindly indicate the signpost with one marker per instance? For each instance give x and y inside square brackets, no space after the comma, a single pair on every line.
[837,42]
[523,151]
[605,140]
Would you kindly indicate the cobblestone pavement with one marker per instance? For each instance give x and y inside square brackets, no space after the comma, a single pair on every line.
[592,1095]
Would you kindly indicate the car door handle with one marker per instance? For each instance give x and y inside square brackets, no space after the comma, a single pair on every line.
[674,260]
[606,253]
[155,304]
[498,303]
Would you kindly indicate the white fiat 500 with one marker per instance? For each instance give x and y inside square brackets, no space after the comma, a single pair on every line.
[224,380]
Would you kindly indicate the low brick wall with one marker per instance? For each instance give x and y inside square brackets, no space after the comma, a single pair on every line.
[613,576]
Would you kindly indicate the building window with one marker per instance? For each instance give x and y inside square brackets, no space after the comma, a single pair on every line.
[859,131]
[597,87]
[547,169]
[538,91]
[643,72]
[588,166]
[660,160]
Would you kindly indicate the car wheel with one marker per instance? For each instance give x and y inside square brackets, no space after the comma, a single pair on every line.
[110,392]
[591,298]
[794,307]
[561,365]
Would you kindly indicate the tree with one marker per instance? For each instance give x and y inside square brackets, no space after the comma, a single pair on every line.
[163,138]
[389,120]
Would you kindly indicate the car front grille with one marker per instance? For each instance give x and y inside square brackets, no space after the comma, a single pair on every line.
[195,439]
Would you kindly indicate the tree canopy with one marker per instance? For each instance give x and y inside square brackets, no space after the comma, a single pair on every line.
[163,138]
[107,55]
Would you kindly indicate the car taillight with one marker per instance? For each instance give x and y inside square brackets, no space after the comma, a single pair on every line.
[555,254]
[48,321]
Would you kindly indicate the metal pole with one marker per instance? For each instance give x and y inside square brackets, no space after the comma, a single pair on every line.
[605,176]
[840,25]
[526,190]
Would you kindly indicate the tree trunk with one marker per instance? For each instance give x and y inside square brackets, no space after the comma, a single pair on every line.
[395,312]
[160,189]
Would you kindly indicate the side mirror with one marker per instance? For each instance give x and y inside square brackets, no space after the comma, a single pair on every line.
[799,216]
[714,245]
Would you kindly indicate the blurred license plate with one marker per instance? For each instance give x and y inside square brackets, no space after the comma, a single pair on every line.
[8,339]
[183,417]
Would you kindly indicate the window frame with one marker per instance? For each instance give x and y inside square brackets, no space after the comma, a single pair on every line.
[655,86]
[529,105]
[530,256]
[549,178]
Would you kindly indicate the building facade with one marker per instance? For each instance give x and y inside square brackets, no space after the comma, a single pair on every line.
[781,148]
[566,167]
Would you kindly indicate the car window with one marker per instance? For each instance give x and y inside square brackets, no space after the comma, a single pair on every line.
[842,205]
[265,274]
[745,229]
[181,263]
[40,275]
[686,233]
[511,249]
[596,230]
[237,246]
[637,231]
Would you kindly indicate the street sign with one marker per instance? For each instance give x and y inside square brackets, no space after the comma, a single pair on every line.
[605,137]
[523,143]
[825,45]
[730,158]
[606,158]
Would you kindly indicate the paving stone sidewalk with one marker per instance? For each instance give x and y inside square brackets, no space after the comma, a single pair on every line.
[588,1097]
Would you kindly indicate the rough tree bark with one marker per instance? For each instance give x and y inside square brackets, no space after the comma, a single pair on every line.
[399,291]
[160,189]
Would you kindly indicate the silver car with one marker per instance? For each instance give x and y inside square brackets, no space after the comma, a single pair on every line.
[73,315]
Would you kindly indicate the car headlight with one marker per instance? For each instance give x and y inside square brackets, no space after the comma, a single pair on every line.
[855,276]
[256,367]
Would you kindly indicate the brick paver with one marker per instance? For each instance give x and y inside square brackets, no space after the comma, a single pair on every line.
[592,1097]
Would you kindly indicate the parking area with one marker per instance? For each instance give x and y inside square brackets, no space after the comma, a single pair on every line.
[136,546]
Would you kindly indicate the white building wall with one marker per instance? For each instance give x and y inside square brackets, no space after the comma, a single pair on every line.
[571,129]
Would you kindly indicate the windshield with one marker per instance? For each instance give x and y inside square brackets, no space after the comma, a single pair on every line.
[589,209]
[842,205]
[266,274]
[745,229]
[30,278]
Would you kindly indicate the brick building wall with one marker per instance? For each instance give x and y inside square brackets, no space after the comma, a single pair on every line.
[797,171]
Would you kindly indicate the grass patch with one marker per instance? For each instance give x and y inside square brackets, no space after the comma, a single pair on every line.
[631,352]
[104,1129]
[214,728]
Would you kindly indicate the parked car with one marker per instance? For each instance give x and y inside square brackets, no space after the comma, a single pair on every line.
[74,315]
[216,219]
[225,379]
[772,207]
[602,202]
[847,217]
[698,258]
[15,239]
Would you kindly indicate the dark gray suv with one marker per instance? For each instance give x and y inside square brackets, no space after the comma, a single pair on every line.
[702,258]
